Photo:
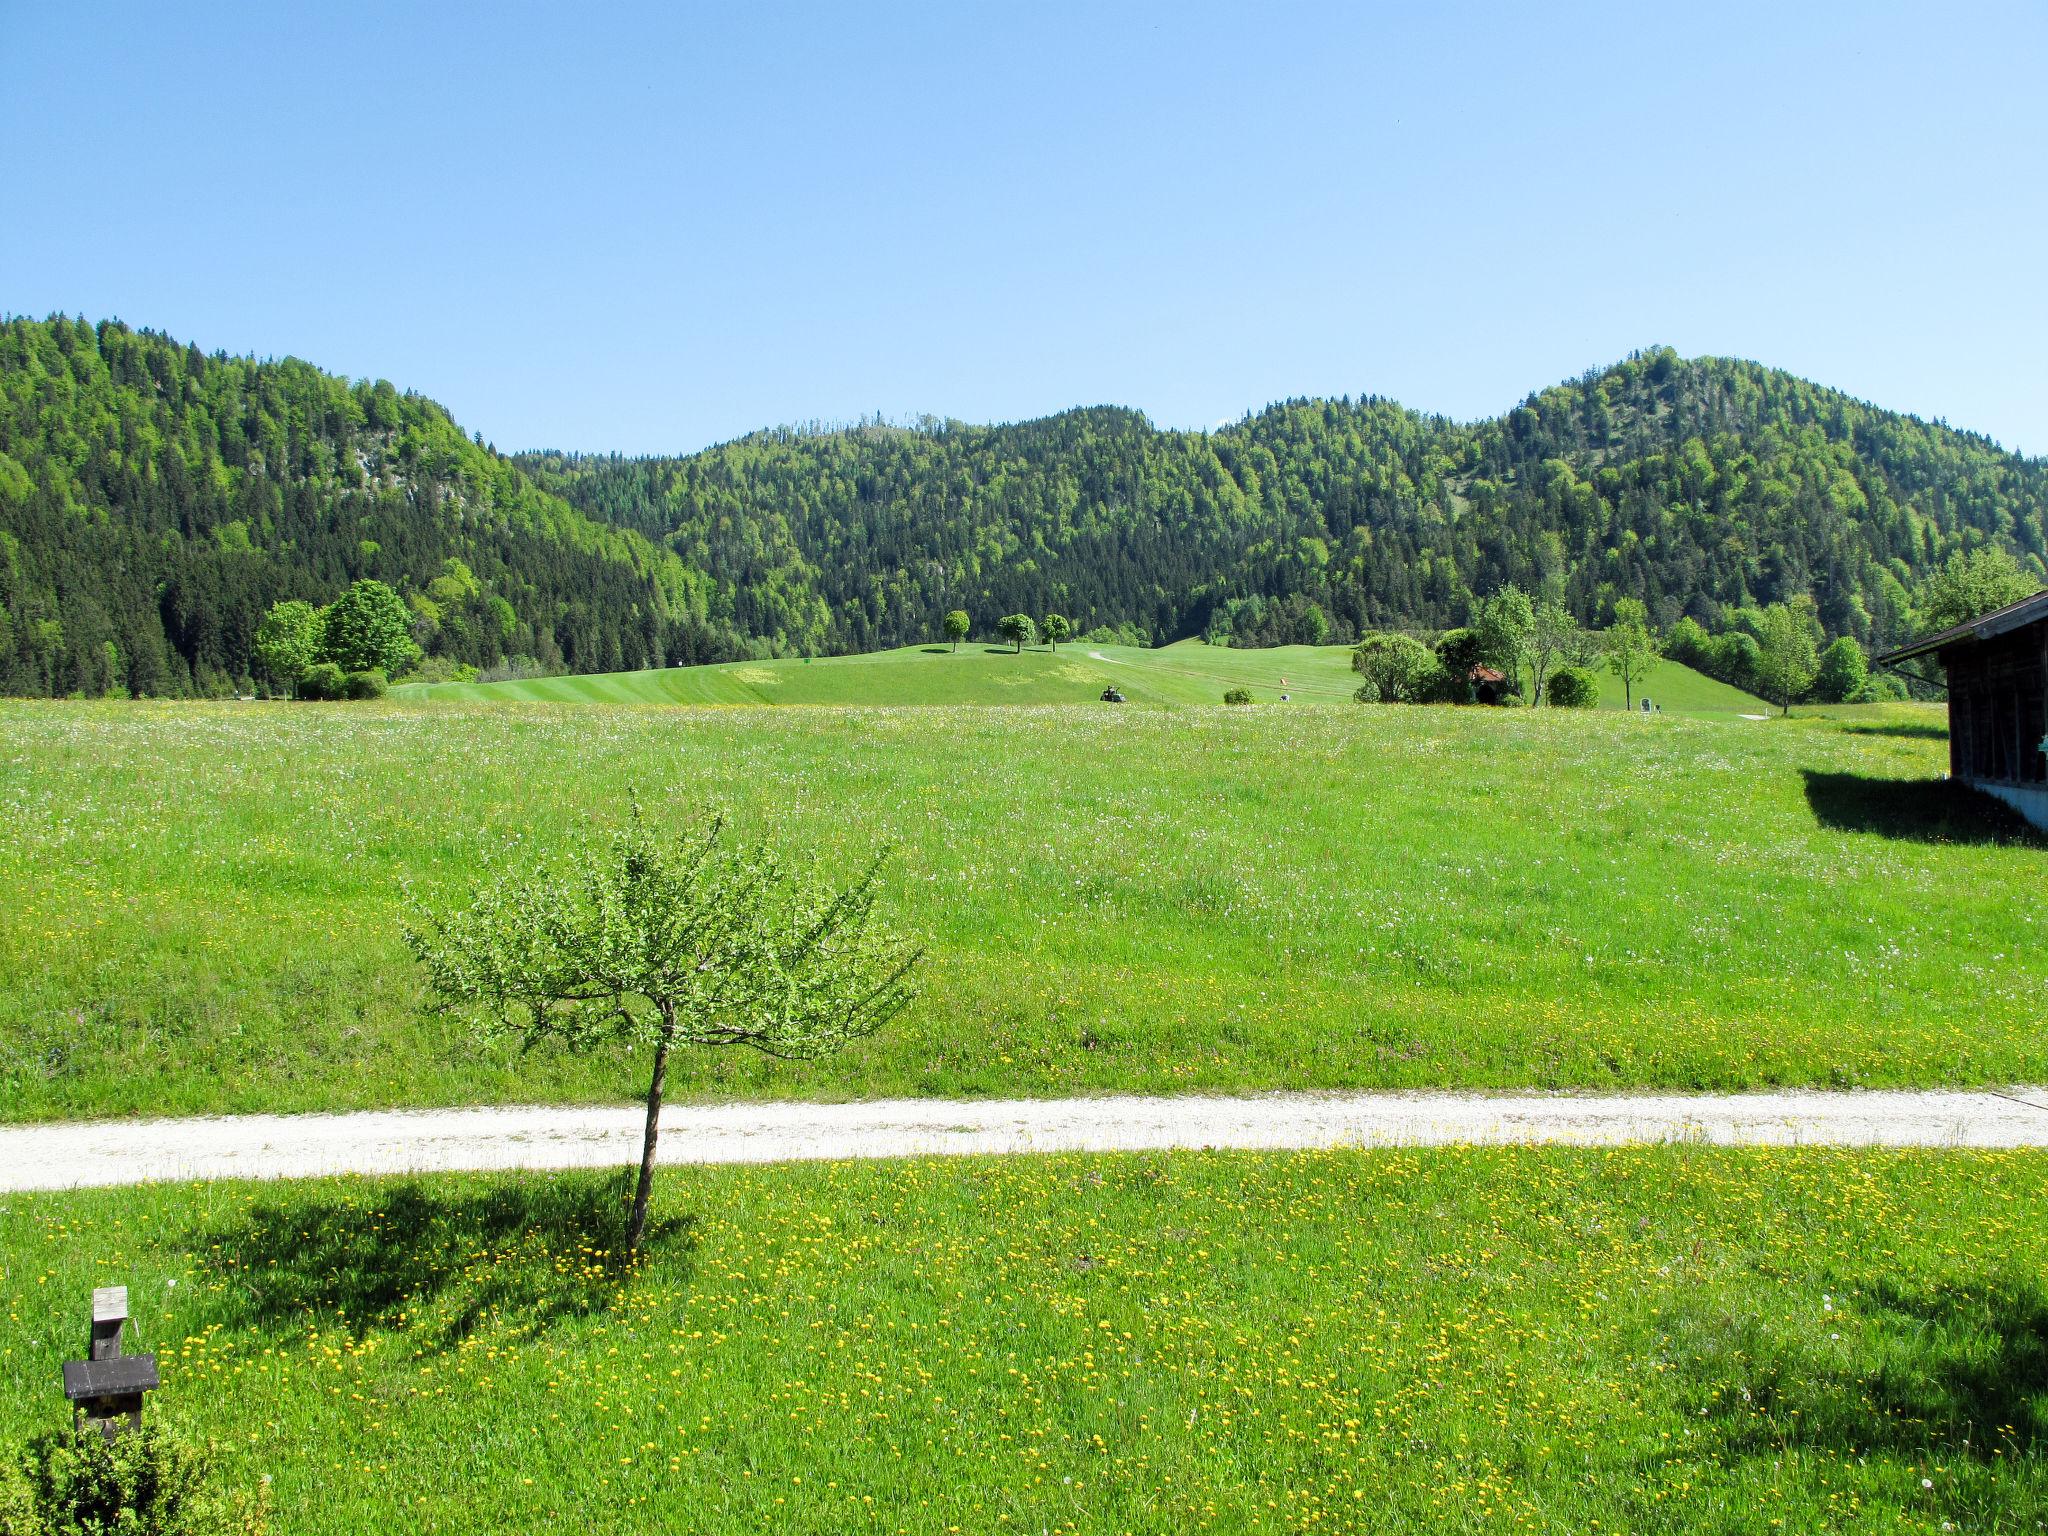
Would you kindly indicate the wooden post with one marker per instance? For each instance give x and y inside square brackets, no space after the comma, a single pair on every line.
[106,1387]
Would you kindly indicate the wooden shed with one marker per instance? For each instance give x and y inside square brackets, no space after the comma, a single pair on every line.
[1997,667]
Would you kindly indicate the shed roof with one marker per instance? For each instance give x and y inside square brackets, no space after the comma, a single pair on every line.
[1986,626]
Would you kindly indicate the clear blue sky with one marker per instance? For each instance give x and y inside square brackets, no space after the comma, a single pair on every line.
[654,226]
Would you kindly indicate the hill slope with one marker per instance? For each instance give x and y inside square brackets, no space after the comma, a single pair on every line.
[155,500]
[1697,486]
[1187,673]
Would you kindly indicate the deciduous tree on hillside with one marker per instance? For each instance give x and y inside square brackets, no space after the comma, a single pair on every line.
[1057,629]
[1789,658]
[1631,648]
[1395,669]
[1502,624]
[642,939]
[288,642]
[368,628]
[957,626]
[1843,671]
[1018,628]
[1555,640]
[1970,584]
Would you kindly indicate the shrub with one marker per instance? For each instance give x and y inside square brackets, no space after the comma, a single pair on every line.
[1879,688]
[444,669]
[1572,688]
[366,684]
[323,680]
[1238,696]
[145,1482]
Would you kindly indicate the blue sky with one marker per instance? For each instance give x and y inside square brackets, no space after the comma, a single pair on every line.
[651,227]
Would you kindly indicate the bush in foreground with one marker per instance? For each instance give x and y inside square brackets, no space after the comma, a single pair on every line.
[366,684]
[1238,696]
[146,1482]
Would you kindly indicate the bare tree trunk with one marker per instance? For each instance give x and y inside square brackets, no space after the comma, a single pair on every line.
[636,1224]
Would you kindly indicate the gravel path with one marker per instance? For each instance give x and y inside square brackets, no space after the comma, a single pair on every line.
[402,1141]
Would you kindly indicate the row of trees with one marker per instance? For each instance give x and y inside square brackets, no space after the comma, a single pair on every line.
[1777,652]
[1020,630]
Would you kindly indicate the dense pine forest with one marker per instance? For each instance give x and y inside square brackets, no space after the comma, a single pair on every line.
[155,501]
[1699,487]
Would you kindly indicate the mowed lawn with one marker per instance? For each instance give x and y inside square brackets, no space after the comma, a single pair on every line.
[1185,673]
[1652,1340]
[202,900]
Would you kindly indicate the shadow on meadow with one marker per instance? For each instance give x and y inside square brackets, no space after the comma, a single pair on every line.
[530,1250]
[1953,1371]
[1923,810]
[1918,730]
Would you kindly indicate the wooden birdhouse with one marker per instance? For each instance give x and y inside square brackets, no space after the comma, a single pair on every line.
[106,1387]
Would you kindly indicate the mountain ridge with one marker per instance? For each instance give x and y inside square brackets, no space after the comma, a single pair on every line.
[154,500]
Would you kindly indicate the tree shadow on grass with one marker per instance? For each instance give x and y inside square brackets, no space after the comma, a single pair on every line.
[1919,730]
[1954,1371]
[529,1250]
[1922,810]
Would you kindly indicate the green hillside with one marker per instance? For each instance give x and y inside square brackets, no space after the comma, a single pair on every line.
[1187,673]
[1702,487]
[155,500]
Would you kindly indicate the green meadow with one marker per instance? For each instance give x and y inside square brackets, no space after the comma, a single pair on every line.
[1668,1339]
[1188,672]
[202,899]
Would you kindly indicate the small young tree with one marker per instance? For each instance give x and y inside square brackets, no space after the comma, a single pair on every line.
[1788,661]
[1057,629]
[957,626]
[1553,642]
[1631,648]
[288,641]
[638,939]
[1018,629]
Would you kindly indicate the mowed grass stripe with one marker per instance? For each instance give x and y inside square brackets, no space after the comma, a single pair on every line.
[1186,673]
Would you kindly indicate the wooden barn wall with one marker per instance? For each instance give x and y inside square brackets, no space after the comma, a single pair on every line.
[1998,707]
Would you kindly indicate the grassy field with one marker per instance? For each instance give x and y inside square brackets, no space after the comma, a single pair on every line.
[1186,673]
[1649,1340]
[202,898]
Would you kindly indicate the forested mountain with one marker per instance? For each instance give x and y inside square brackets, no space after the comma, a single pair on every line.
[1697,486]
[155,501]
